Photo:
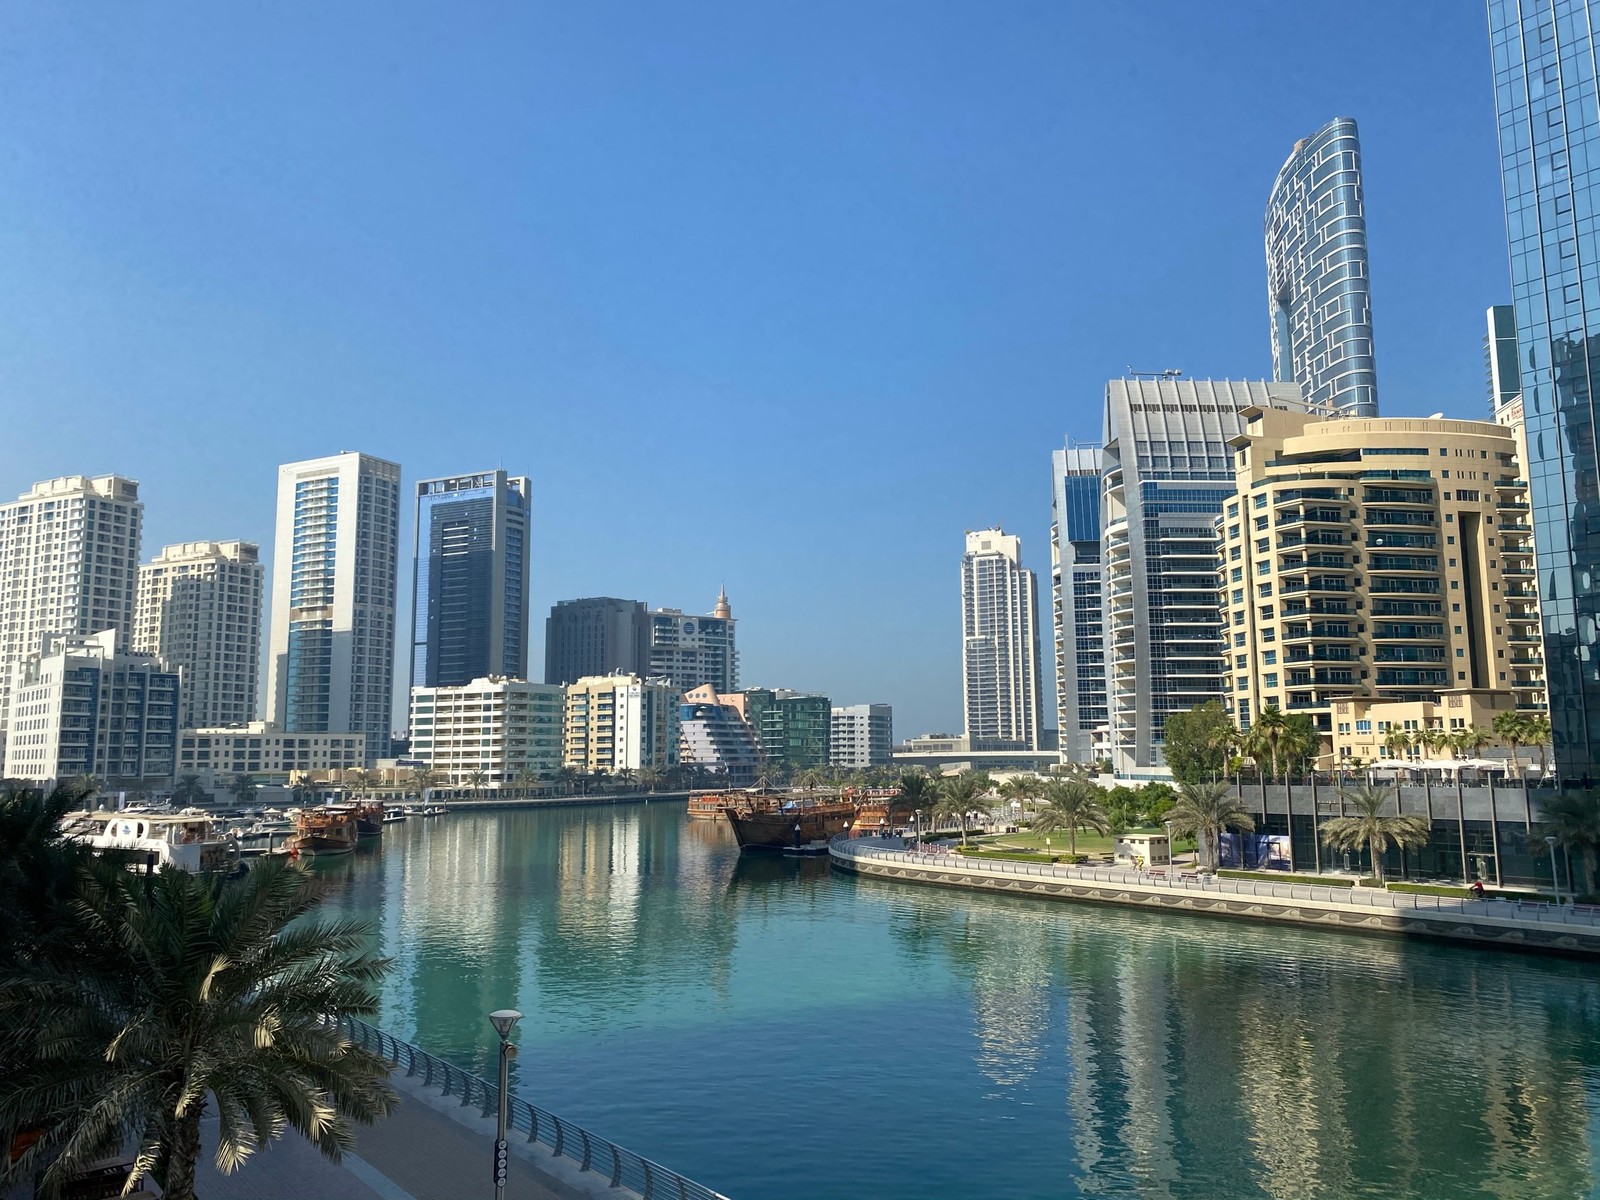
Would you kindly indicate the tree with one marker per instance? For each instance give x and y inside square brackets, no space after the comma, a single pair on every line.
[918,792]
[1204,811]
[188,791]
[38,866]
[566,778]
[1298,743]
[181,995]
[476,781]
[1431,739]
[1156,801]
[1271,726]
[1196,742]
[525,778]
[1021,788]
[1071,805]
[1398,743]
[1573,819]
[957,795]
[243,788]
[1539,734]
[1512,728]
[649,778]
[1369,828]
[423,778]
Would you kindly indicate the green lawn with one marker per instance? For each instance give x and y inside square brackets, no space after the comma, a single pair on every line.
[1088,843]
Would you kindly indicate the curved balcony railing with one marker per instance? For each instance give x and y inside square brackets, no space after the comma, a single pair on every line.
[589,1150]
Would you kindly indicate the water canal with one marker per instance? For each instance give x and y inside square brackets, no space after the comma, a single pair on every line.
[783,1032]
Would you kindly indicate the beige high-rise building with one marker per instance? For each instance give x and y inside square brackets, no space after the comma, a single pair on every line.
[199,609]
[620,722]
[69,564]
[1387,558]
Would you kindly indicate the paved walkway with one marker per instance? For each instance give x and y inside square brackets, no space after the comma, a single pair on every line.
[429,1148]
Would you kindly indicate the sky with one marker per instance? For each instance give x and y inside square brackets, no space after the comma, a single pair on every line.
[779,296]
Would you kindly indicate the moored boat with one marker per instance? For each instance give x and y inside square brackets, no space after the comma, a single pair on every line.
[393,814]
[191,843]
[787,822]
[323,832]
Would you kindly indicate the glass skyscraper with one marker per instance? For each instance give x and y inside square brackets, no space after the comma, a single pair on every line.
[1548,108]
[470,604]
[1318,290]
[1077,600]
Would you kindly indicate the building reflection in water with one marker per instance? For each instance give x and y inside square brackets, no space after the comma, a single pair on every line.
[1291,1063]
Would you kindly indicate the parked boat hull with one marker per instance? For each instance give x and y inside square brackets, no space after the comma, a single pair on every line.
[785,829]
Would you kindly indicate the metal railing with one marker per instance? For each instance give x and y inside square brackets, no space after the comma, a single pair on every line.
[1531,912]
[589,1150]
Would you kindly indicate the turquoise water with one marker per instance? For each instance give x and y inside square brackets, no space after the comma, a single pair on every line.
[780,1031]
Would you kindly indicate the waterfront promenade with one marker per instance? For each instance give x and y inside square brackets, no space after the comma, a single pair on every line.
[1499,923]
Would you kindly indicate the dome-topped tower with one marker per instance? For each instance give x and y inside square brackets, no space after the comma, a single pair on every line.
[723,609]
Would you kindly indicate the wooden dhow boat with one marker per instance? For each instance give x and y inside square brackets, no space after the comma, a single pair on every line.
[324,832]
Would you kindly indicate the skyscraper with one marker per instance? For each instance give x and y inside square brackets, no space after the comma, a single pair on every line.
[999,643]
[690,649]
[1318,289]
[1168,473]
[1504,376]
[69,564]
[1546,101]
[199,610]
[1077,599]
[599,635]
[470,588]
[334,567]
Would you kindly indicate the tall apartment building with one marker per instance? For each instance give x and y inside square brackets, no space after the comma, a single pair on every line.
[713,734]
[1318,287]
[335,559]
[1168,471]
[1503,374]
[502,729]
[620,722]
[1376,558]
[199,610]
[80,707]
[1546,95]
[266,753]
[599,635]
[691,650]
[861,735]
[470,582]
[793,729]
[999,643]
[1077,600]
[69,564]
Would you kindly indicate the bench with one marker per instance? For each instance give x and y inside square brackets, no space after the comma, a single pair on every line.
[1187,876]
[1157,872]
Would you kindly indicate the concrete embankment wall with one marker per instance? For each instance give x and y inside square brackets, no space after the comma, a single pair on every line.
[1382,913]
[483,802]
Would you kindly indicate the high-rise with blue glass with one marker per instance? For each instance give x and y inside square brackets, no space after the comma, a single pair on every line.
[1548,108]
[470,599]
[1318,290]
[335,557]
[1077,600]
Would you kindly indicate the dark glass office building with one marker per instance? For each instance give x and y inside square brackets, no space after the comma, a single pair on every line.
[1548,108]
[470,610]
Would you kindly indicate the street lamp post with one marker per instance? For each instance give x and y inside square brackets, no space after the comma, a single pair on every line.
[504,1021]
[1555,874]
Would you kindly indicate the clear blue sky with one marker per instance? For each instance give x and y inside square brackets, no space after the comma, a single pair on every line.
[785,296]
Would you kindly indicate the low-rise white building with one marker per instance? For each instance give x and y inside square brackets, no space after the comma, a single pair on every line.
[263,750]
[861,735]
[502,729]
[80,707]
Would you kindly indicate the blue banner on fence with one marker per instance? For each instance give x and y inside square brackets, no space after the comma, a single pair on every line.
[1255,851]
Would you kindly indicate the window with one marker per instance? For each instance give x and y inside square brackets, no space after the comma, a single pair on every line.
[1264,589]
[1364,726]
[1270,679]
[1270,657]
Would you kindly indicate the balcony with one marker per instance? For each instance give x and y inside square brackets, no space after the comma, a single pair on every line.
[1409,496]
[1428,563]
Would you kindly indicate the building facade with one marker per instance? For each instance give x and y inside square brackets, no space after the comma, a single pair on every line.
[1380,558]
[691,650]
[713,734]
[502,731]
[1362,726]
[1168,472]
[69,563]
[861,735]
[264,752]
[999,643]
[1318,287]
[1547,101]
[199,610]
[599,635]
[470,582]
[330,666]
[793,729]
[620,722]
[1077,601]
[1503,374]
[81,707]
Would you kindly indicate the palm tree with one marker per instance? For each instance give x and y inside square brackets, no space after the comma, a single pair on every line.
[1431,739]
[243,788]
[1539,733]
[476,781]
[38,867]
[188,791]
[525,779]
[1512,728]
[1071,805]
[1476,739]
[1370,829]
[566,777]
[1398,743]
[1204,810]
[1021,788]
[1270,728]
[957,794]
[649,778]
[181,996]
[917,792]
[1573,819]
[423,778]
